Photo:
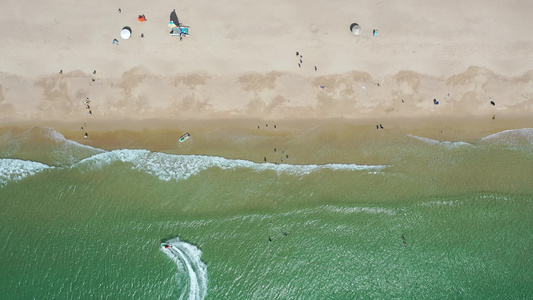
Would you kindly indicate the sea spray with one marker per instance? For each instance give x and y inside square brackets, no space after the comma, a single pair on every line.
[192,272]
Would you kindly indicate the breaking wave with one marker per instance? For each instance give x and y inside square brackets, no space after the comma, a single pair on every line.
[516,139]
[17,169]
[447,144]
[192,272]
[179,167]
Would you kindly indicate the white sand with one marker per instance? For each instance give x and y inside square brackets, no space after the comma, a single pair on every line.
[239,60]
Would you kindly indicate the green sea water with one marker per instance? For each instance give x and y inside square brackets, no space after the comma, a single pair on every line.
[437,220]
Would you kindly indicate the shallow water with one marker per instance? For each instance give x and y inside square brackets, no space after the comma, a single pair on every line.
[434,220]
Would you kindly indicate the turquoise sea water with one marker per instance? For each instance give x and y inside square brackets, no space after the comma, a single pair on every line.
[438,220]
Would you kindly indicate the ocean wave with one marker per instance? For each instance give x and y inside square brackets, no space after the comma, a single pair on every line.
[517,139]
[17,169]
[442,203]
[191,269]
[44,144]
[179,167]
[447,144]
[358,209]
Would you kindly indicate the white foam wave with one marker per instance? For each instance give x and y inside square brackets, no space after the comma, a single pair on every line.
[57,137]
[447,144]
[370,210]
[515,138]
[190,267]
[524,132]
[17,169]
[442,203]
[179,167]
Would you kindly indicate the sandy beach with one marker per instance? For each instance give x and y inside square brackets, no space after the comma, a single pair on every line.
[239,64]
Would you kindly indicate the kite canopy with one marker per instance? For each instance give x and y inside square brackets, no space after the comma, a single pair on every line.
[125,33]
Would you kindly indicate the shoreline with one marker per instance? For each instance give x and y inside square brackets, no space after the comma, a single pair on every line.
[307,141]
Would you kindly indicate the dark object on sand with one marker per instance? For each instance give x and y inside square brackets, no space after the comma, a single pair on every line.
[492,102]
[265,158]
[435,102]
[380,126]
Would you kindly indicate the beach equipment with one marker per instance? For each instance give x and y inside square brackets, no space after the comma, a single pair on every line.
[185,137]
[375,32]
[177,28]
[142,18]
[355,28]
[180,31]
[125,33]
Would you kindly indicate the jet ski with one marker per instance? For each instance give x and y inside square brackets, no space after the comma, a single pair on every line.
[166,246]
